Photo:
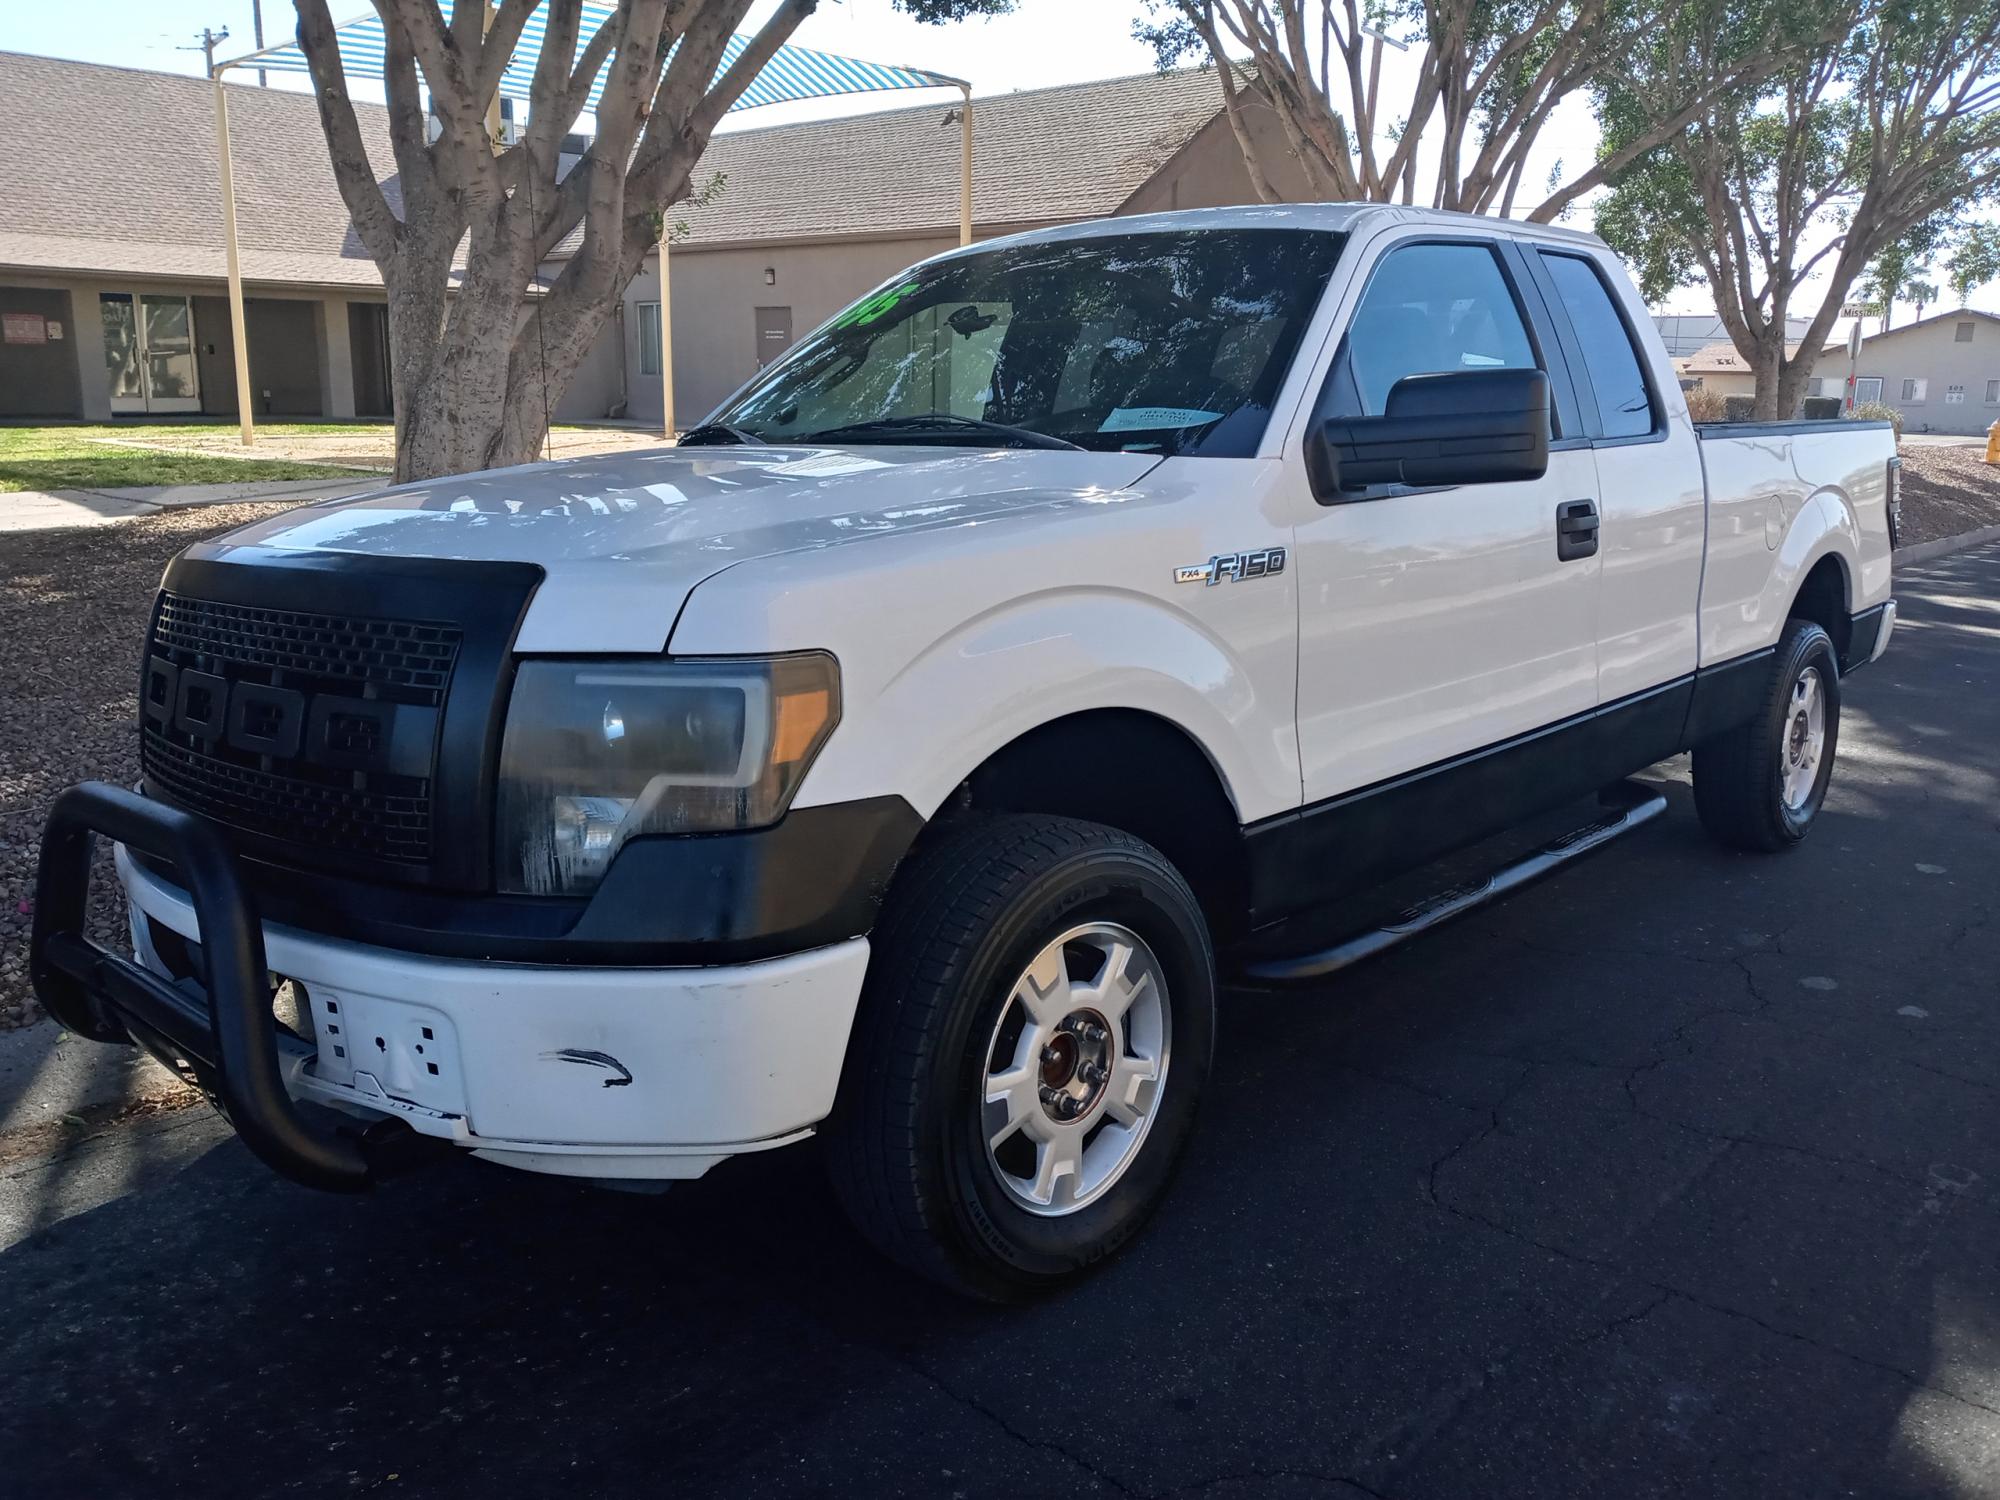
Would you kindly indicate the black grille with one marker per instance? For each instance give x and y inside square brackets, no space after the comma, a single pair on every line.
[346,678]
[406,654]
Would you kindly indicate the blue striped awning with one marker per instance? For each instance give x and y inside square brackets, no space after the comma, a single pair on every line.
[793,73]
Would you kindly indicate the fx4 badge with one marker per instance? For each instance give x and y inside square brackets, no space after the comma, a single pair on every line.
[1235,565]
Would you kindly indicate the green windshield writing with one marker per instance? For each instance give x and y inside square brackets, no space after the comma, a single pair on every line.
[868,309]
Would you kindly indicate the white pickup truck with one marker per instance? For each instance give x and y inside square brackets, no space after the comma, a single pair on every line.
[900,757]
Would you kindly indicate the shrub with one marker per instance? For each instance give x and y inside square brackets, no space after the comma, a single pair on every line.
[1877,411]
[1705,406]
[1739,408]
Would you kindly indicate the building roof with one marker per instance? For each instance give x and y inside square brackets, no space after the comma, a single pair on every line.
[1722,359]
[113,170]
[1956,315]
[1040,156]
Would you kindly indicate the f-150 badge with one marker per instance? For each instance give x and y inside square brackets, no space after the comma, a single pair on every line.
[1234,565]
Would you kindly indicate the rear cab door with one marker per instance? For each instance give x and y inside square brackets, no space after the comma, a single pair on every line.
[1651,499]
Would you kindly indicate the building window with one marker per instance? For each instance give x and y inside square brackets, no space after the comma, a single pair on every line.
[1954,395]
[1913,390]
[1993,393]
[1962,334]
[648,314]
[1867,390]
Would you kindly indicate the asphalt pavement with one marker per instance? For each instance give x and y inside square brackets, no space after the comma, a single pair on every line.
[1678,1174]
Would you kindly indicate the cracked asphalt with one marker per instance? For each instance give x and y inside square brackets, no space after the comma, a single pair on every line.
[1676,1174]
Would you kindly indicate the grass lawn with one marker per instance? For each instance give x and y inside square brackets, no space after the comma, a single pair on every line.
[68,458]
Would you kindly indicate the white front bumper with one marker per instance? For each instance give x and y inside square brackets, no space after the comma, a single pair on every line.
[587,1072]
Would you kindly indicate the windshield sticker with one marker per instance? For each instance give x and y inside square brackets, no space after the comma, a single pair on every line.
[1144,418]
[868,309]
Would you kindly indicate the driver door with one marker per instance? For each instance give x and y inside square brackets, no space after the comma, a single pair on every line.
[1439,627]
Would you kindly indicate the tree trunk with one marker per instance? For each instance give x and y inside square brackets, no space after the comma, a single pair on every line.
[1768,363]
[1792,377]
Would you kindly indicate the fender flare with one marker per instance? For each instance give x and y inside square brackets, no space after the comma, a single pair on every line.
[1823,527]
[1046,657]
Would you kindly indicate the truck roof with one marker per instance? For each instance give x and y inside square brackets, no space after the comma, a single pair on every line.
[1343,217]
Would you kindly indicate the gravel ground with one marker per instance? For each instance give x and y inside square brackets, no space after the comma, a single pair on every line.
[77,600]
[1947,491]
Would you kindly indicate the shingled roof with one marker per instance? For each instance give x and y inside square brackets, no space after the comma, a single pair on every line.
[113,170]
[1040,156]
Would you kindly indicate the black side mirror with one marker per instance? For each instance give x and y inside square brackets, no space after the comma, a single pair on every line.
[1458,427]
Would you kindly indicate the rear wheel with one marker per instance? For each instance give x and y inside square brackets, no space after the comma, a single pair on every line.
[1032,1043]
[1761,785]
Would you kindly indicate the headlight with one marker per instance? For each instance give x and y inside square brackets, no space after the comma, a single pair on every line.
[600,752]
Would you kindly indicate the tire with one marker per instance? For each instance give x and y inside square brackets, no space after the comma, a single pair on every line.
[1751,784]
[945,1020]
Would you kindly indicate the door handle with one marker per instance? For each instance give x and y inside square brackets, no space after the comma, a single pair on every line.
[1576,530]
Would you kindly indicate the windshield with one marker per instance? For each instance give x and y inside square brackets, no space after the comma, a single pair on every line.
[1153,343]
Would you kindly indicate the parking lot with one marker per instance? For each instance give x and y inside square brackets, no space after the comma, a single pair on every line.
[1677,1174]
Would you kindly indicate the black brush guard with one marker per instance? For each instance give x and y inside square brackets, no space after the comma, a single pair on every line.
[224,1030]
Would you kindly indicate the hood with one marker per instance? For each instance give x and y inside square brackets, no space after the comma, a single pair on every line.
[624,539]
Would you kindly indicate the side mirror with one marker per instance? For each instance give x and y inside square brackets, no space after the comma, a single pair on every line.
[1458,427]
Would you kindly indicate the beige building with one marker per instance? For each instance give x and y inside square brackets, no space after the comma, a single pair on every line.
[112,291]
[1942,374]
[811,216]
[1718,368]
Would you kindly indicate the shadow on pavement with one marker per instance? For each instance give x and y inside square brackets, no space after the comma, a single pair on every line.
[1674,1175]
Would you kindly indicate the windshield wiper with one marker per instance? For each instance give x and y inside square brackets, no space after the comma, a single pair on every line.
[718,434]
[890,428]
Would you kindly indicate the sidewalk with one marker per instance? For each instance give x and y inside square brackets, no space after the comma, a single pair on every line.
[49,510]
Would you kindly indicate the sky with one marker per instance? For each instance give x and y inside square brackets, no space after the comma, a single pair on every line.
[1042,43]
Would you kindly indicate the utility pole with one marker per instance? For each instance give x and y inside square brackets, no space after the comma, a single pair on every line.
[257,29]
[210,40]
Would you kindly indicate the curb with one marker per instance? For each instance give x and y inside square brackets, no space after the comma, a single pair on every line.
[1945,546]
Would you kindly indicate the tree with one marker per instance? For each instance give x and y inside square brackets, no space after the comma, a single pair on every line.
[1887,124]
[1898,271]
[1488,74]
[1975,260]
[475,372]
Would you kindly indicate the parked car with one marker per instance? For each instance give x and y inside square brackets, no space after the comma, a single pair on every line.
[902,757]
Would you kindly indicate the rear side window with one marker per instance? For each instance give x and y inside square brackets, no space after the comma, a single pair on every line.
[1624,405]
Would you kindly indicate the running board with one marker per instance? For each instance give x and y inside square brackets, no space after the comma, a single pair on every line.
[1630,804]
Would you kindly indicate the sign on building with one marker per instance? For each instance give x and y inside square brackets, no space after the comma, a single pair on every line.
[24,328]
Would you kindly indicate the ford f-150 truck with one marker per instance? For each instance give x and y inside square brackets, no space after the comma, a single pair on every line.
[901,757]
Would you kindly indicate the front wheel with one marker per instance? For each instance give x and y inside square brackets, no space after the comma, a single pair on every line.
[1032,1043]
[1760,785]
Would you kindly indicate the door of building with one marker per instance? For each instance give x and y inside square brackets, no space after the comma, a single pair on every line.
[774,333]
[149,356]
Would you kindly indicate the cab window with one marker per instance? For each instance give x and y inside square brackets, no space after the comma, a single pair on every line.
[1430,309]
[1617,379]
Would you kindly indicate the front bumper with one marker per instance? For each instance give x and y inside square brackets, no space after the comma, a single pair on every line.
[597,1072]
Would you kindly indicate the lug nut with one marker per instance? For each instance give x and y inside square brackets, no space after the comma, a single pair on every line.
[1092,1032]
[1090,1072]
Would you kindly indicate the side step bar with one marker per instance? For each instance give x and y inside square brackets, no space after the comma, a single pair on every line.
[1630,804]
